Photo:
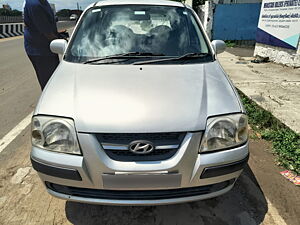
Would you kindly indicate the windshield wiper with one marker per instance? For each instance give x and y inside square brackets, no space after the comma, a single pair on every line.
[183,57]
[122,56]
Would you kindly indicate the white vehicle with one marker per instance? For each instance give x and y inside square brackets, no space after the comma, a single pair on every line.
[73,17]
[139,111]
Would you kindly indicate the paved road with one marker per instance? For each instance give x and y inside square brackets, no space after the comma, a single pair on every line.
[23,199]
[65,25]
[19,89]
[274,87]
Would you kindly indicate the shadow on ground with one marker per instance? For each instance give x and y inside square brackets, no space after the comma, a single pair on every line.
[245,204]
[242,52]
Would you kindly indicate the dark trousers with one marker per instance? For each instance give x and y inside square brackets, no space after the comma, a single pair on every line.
[44,67]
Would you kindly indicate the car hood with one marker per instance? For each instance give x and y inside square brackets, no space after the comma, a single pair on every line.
[131,98]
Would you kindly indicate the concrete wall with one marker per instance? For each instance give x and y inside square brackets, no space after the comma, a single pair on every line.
[276,54]
[279,55]
[11,19]
[11,30]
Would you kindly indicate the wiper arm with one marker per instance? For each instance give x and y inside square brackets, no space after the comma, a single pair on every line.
[124,55]
[183,57]
[144,54]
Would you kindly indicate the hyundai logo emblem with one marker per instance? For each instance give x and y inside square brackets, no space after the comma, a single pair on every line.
[141,147]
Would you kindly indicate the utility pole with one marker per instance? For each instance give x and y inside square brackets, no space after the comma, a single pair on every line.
[77,6]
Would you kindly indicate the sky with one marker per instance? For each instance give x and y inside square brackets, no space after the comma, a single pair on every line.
[60,4]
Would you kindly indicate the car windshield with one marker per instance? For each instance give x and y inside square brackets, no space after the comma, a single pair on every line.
[148,31]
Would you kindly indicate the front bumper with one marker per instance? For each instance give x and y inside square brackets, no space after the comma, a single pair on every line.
[95,178]
[141,198]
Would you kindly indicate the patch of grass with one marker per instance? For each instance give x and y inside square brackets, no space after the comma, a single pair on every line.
[230,44]
[286,143]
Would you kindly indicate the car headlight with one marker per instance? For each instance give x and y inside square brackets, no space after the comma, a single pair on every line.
[55,134]
[223,132]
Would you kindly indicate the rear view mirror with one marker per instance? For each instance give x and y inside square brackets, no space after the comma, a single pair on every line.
[58,46]
[140,15]
[219,46]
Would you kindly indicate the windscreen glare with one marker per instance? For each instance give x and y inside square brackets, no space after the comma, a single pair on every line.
[112,30]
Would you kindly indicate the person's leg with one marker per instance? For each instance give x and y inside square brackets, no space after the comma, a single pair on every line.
[44,67]
[53,62]
[34,62]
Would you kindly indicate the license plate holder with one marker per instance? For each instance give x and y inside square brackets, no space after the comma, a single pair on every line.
[141,181]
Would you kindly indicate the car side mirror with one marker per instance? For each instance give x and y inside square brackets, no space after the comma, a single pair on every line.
[58,46]
[219,46]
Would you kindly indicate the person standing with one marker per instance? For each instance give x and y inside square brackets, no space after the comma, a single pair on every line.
[40,30]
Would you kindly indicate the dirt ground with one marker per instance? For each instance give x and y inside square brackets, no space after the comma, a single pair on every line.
[261,196]
[274,87]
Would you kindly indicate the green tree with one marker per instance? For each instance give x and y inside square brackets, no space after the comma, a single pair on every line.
[16,13]
[6,12]
[64,13]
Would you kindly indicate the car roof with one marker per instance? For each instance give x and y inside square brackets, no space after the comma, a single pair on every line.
[137,2]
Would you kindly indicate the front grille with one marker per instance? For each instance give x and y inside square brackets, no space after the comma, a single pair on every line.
[155,138]
[139,195]
[116,145]
[127,156]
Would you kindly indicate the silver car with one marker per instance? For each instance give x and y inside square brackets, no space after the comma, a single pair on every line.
[139,111]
